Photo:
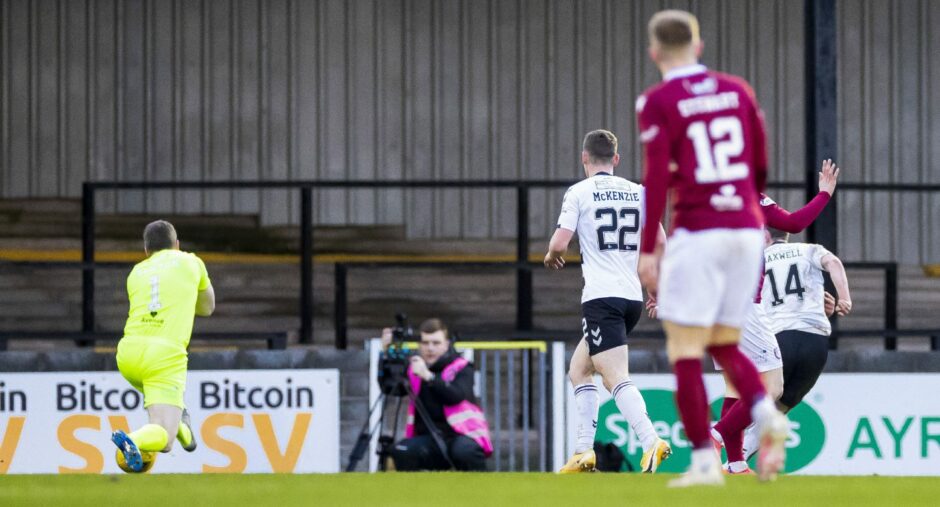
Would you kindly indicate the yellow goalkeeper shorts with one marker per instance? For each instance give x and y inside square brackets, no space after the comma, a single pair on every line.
[155,367]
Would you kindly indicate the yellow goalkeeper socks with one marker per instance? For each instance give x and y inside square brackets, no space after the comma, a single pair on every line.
[150,437]
[184,434]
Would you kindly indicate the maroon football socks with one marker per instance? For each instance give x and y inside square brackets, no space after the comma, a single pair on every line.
[692,401]
[735,416]
[741,371]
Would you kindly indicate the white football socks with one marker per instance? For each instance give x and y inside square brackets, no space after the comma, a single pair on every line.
[751,441]
[633,407]
[737,467]
[585,398]
[704,461]
[763,409]
[717,436]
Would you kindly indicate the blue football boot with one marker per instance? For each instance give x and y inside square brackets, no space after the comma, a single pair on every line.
[130,450]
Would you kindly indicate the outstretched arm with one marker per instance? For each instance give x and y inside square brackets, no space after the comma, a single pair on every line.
[836,270]
[828,177]
[799,220]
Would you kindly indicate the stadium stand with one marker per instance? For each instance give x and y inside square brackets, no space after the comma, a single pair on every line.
[260,288]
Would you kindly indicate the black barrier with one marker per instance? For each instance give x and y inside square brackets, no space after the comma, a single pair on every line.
[306,187]
[87,337]
[275,341]
[524,303]
[890,331]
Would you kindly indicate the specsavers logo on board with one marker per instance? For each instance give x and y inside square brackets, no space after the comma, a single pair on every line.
[849,424]
[244,420]
[805,442]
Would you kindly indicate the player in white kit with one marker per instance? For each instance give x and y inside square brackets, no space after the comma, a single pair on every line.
[757,338]
[794,299]
[606,213]
[758,342]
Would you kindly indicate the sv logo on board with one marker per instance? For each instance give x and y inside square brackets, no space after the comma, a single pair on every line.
[235,453]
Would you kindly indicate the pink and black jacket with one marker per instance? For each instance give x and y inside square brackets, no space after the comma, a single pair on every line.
[450,392]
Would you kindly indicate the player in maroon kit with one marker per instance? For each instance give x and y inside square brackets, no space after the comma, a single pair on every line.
[703,137]
[758,342]
[797,221]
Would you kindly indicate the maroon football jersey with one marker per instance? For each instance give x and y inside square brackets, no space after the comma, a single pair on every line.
[703,137]
[778,218]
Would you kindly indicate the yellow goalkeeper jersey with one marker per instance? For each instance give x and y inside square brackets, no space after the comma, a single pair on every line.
[162,292]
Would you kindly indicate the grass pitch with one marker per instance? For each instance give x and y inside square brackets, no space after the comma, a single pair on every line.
[456,489]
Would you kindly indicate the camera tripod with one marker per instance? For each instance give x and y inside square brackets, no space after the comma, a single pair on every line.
[399,390]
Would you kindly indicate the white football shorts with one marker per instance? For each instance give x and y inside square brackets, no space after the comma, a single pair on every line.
[710,277]
[758,342]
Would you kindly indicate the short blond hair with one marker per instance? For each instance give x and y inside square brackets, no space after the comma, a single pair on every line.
[674,29]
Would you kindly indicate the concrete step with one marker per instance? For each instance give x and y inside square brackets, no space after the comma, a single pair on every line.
[61,219]
[65,206]
[264,297]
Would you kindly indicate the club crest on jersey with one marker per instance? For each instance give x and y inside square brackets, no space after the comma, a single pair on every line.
[709,85]
[767,201]
[727,199]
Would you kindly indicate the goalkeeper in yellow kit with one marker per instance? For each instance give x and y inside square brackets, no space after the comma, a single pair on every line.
[165,291]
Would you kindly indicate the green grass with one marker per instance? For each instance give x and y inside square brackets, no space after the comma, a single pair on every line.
[453,489]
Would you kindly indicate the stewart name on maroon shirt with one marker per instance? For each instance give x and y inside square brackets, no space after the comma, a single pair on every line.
[703,137]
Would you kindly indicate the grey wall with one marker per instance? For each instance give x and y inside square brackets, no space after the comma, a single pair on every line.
[472,89]
[889,129]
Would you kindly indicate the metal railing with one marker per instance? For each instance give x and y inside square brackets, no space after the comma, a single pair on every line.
[522,266]
[89,337]
[511,384]
[890,331]
[305,188]
[523,273]
[274,340]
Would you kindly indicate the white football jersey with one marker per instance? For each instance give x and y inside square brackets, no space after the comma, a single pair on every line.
[606,212]
[793,288]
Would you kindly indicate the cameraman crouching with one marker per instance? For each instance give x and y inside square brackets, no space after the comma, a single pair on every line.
[442,380]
